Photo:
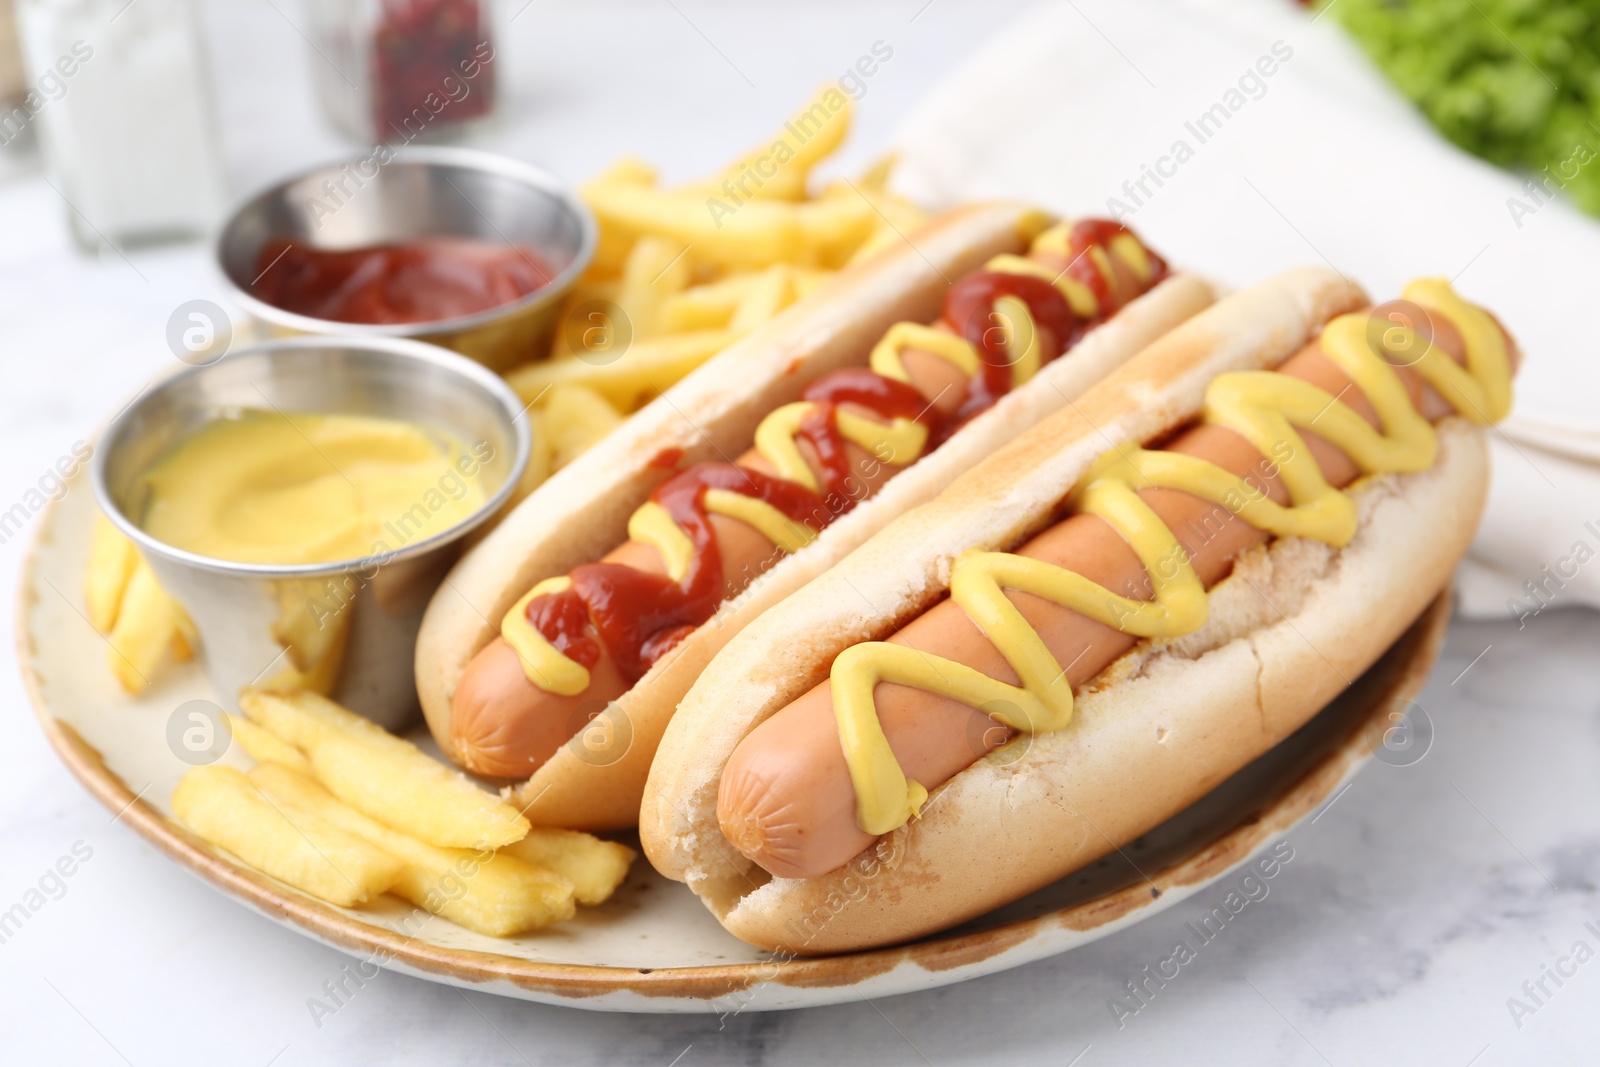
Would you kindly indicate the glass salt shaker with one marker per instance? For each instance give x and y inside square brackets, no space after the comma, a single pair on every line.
[123,116]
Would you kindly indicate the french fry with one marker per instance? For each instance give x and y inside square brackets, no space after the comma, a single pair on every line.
[144,631]
[302,719]
[491,893]
[773,292]
[415,793]
[575,417]
[112,560]
[311,620]
[655,269]
[313,626]
[184,635]
[222,806]
[876,177]
[611,251]
[541,456]
[807,282]
[645,369]
[825,120]
[896,212]
[883,237]
[836,226]
[709,306]
[126,603]
[822,232]
[755,234]
[779,167]
[594,867]
[585,295]
[629,170]
[614,245]
[384,776]
[264,746]
[896,218]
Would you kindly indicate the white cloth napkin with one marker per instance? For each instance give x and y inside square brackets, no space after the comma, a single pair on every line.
[1308,154]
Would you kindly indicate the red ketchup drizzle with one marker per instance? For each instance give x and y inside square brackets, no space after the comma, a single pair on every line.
[1087,233]
[562,619]
[641,616]
[666,459]
[970,306]
[884,397]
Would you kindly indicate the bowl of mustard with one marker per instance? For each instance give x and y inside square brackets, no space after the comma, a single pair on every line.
[303,498]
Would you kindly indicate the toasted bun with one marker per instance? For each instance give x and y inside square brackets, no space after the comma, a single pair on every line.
[583,511]
[1295,623]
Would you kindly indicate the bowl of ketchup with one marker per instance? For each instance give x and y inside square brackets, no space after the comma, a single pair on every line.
[464,249]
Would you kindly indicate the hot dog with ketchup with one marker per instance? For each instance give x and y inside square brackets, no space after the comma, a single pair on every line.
[542,656]
[1255,508]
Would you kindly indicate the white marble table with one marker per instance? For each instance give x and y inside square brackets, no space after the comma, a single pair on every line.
[1416,904]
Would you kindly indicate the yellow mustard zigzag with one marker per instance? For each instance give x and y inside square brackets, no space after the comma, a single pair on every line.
[1265,408]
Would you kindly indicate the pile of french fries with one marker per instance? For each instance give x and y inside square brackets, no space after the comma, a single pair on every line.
[345,811]
[143,626]
[682,273]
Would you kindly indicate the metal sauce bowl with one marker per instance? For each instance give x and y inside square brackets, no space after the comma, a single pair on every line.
[349,628]
[419,192]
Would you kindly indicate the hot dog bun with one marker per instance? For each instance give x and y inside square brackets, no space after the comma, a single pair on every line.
[711,415]
[1158,729]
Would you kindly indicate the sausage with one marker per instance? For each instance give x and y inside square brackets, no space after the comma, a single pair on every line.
[505,726]
[785,799]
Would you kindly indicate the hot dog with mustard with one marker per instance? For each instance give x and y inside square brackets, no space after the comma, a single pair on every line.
[1256,507]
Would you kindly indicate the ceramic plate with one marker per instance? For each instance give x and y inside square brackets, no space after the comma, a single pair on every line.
[653,947]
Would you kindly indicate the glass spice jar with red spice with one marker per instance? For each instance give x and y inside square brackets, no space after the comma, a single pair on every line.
[396,71]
